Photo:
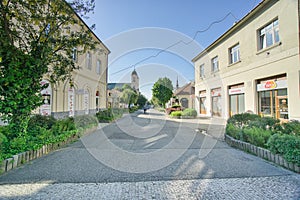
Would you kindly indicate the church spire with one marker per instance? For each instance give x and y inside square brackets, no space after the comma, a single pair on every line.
[177,85]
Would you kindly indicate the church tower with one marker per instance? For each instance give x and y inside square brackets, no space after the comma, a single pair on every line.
[135,81]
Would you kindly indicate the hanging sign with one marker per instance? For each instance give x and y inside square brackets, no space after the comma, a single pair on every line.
[71,102]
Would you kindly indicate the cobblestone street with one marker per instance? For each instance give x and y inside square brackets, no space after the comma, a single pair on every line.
[283,187]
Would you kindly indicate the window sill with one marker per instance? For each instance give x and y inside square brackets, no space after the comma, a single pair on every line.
[268,48]
[235,63]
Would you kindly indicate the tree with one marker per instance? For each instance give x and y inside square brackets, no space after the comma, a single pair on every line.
[38,39]
[141,100]
[129,96]
[162,90]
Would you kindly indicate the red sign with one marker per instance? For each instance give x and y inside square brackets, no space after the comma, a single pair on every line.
[270,85]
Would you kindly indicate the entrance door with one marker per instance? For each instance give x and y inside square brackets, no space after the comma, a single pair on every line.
[281,104]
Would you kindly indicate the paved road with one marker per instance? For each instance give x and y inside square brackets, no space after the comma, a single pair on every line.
[147,156]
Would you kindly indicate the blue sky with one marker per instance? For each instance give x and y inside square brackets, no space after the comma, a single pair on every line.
[140,35]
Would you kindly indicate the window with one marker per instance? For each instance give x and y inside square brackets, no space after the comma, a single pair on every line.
[89,60]
[234,54]
[215,64]
[74,54]
[202,71]
[269,35]
[98,69]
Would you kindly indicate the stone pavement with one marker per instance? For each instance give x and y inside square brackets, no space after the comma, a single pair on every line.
[278,187]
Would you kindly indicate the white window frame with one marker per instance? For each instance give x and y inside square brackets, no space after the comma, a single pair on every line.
[89,60]
[215,64]
[234,54]
[98,67]
[269,35]
[201,70]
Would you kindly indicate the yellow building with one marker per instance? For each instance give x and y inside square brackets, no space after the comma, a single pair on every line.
[87,91]
[254,66]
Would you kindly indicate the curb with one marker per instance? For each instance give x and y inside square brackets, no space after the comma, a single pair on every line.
[24,157]
[262,153]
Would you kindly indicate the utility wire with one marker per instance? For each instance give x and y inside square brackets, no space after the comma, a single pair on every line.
[177,43]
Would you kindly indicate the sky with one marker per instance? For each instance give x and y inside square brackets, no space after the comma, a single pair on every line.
[159,38]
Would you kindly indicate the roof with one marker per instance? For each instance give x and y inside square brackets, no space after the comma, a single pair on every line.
[187,89]
[111,86]
[236,26]
[134,73]
[90,30]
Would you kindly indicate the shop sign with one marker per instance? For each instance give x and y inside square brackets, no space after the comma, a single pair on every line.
[236,91]
[71,98]
[272,85]
[45,108]
[86,102]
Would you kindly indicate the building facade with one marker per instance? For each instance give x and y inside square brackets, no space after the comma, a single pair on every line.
[254,66]
[114,91]
[87,91]
[184,95]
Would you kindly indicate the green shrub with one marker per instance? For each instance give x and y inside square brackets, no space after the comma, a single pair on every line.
[233,131]
[176,114]
[242,119]
[256,136]
[266,123]
[3,144]
[63,125]
[110,114]
[292,127]
[85,121]
[189,112]
[41,121]
[286,145]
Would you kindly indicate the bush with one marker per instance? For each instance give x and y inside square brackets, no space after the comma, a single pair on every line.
[266,123]
[189,112]
[286,145]
[233,131]
[42,121]
[242,119]
[176,114]
[109,114]
[85,121]
[63,125]
[292,127]
[256,136]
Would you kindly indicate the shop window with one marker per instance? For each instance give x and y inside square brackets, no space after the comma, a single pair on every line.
[216,102]
[237,104]
[274,103]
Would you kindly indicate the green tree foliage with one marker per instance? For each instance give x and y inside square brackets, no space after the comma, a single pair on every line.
[129,96]
[162,90]
[37,40]
[141,100]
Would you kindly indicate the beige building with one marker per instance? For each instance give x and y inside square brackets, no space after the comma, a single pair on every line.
[254,66]
[87,92]
[184,95]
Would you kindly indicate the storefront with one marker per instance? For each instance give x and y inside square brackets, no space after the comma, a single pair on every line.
[273,98]
[236,99]
[216,102]
[202,102]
